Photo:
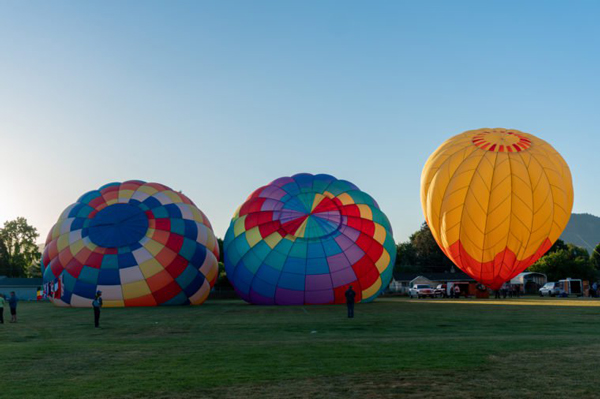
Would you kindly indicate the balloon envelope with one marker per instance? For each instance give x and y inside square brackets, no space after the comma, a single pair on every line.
[305,239]
[496,200]
[141,244]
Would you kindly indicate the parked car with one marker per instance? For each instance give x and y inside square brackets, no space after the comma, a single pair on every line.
[441,291]
[421,290]
[550,289]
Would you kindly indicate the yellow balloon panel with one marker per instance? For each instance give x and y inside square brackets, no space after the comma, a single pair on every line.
[496,200]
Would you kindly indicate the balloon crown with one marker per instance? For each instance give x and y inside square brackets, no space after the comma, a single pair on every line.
[501,140]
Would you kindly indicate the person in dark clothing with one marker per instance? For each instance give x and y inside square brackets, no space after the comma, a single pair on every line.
[350,295]
[2,302]
[12,303]
[97,304]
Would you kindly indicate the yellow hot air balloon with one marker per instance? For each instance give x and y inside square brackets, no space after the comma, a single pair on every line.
[496,200]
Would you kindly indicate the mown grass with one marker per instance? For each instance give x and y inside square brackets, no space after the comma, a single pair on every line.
[228,349]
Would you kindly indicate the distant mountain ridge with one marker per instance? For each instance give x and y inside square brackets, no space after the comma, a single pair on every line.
[582,230]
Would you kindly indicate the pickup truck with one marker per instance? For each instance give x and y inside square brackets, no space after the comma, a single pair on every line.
[421,291]
[441,291]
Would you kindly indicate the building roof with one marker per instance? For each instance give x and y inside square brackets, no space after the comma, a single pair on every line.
[20,282]
[456,276]
[520,278]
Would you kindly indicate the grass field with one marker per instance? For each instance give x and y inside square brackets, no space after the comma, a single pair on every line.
[525,348]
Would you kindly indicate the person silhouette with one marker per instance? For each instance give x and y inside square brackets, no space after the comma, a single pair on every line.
[97,304]
[12,304]
[350,295]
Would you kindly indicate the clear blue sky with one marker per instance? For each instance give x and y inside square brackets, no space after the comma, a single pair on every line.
[216,98]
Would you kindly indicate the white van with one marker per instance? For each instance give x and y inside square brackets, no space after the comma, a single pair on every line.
[550,289]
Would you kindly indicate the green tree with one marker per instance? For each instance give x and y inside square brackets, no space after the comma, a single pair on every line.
[406,254]
[406,258]
[34,270]
[20,248]
[222,282]
[595,258]
[557,246]
[572,262]
[4,265]
[422,253]
[220,242]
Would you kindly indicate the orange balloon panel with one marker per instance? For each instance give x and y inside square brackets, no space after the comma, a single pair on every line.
[496,200]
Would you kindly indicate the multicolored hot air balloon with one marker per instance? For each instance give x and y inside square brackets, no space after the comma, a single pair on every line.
[141,244]
[305,239]
[496,200]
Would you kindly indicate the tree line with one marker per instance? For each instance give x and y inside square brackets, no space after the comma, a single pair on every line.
[19,253]
[421,254]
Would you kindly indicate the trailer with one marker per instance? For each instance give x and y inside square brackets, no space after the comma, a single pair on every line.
[570,286]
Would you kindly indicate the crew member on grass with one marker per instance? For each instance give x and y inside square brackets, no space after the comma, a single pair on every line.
[97,304]
[350,295]
[456,291]
[12,303]
[2,302]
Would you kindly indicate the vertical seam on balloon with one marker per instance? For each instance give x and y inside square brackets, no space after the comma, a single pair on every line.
[262,261]
[460,147]
[236,267]
[474,150]
[463,207]
[330,276]
[446,189]
[486,219]
[509,222]
[281,271]
[178,254]
[550,192]
[554,153]
[343,251]
[350,263]
[551,195]
[345,256]
[532,200]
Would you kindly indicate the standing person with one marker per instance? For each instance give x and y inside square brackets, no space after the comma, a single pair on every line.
[12,303]
[594,289]
[350,295]
[456,291]
[2,302]
[97,304]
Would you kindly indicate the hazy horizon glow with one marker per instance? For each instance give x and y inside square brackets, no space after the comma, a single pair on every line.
[219,98]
